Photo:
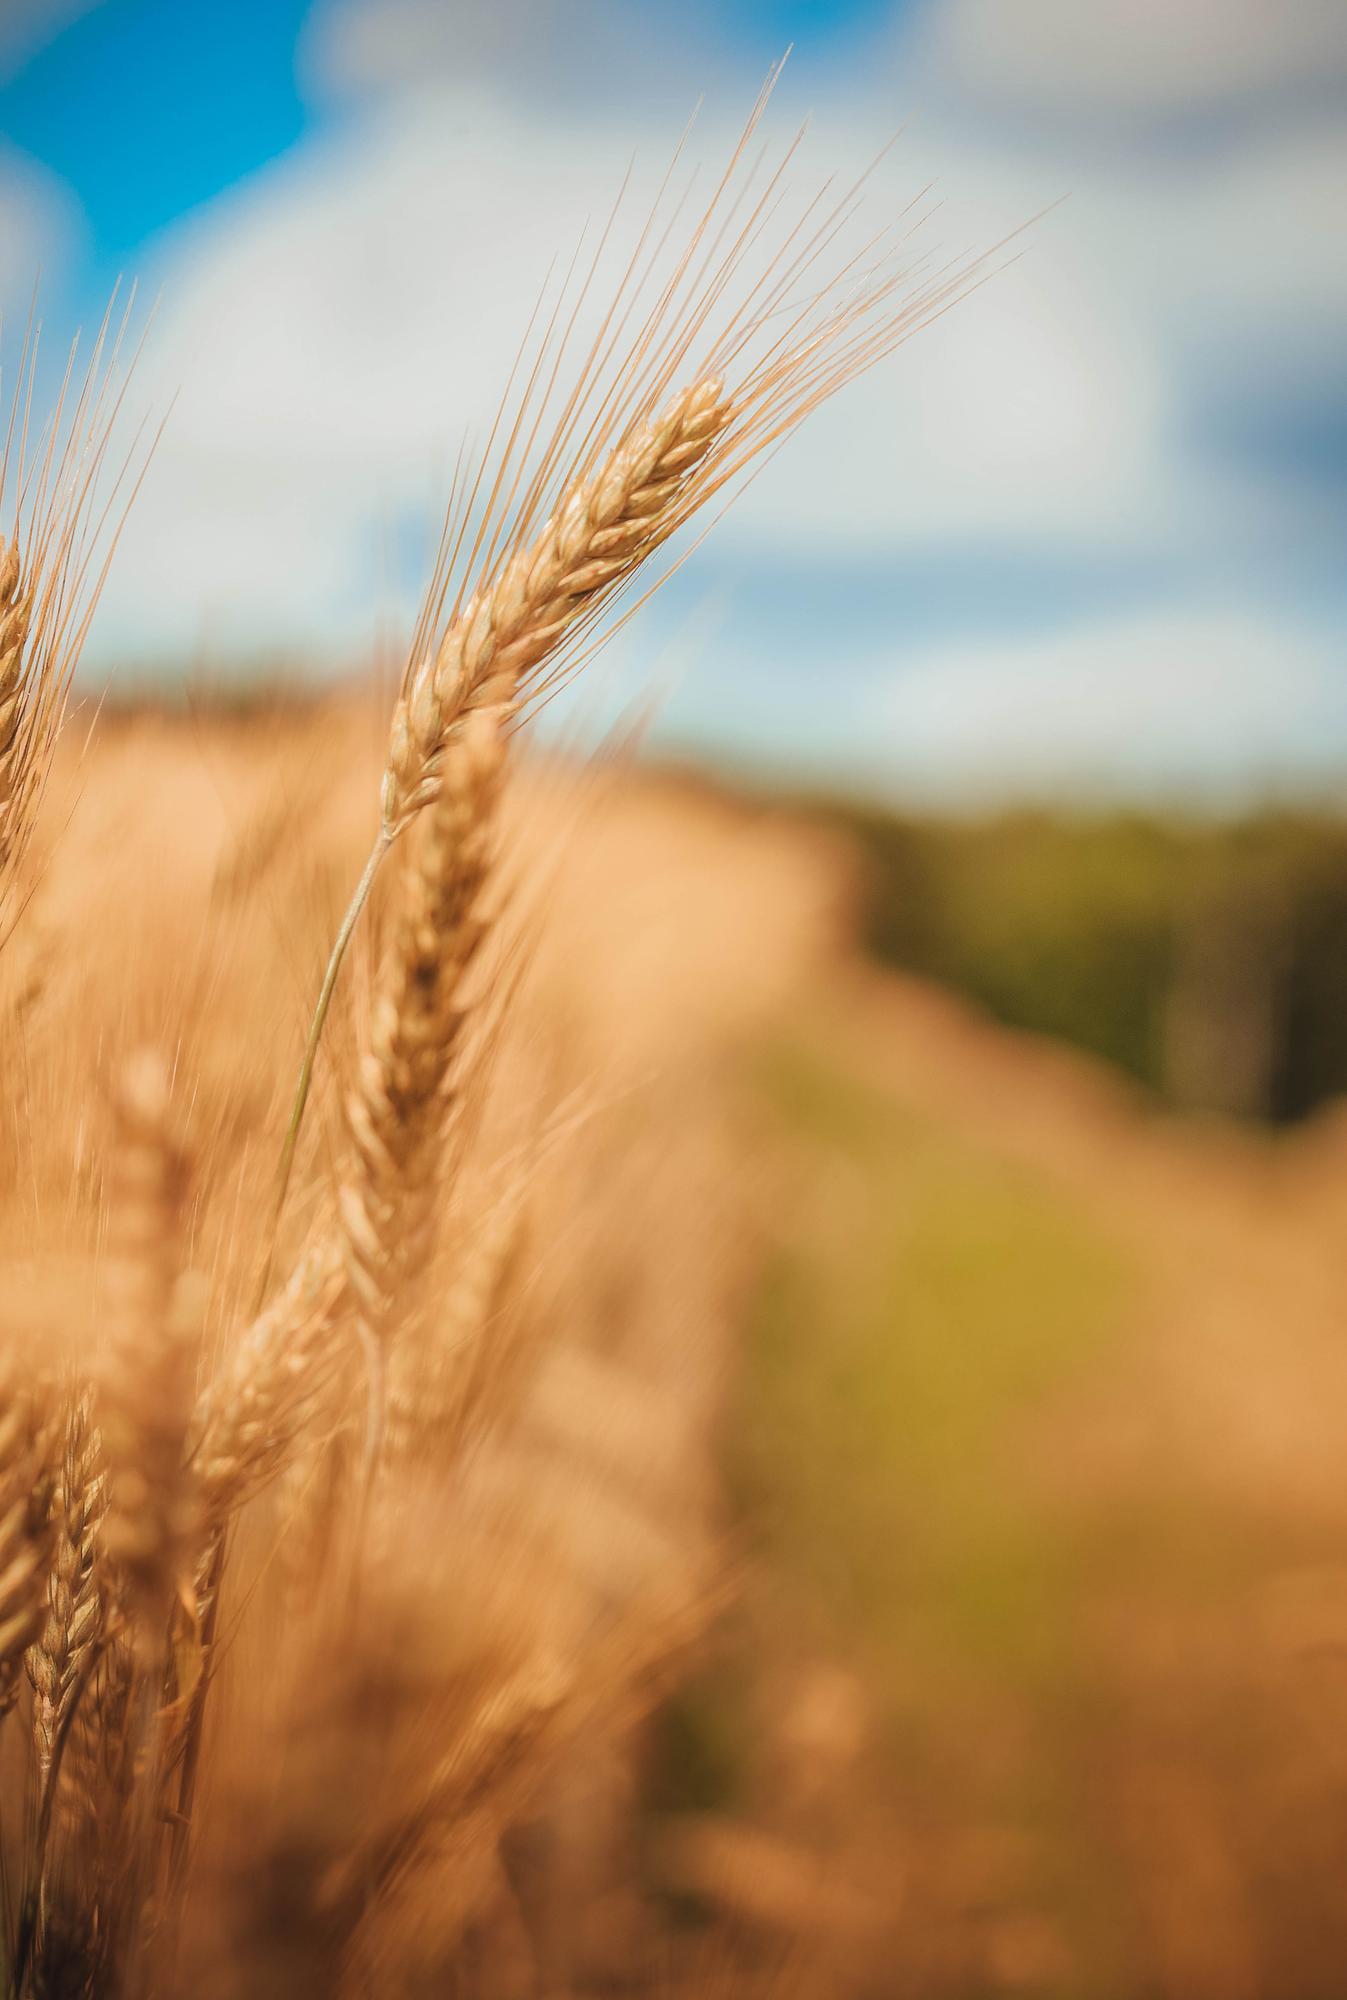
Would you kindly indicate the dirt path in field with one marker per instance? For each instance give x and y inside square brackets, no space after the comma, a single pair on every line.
[1239,1238]
[1160,1805]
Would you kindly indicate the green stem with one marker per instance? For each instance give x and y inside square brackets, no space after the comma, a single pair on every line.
[325,992]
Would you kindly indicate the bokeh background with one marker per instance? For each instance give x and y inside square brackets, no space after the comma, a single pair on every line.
[1084,537]
[1016,692]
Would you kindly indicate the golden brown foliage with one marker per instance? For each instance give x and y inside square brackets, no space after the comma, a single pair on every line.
[289,1696]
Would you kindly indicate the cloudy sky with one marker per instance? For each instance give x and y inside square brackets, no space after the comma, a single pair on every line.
[1084,534]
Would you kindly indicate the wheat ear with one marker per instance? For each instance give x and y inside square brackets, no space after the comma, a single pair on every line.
[396,1112]
[242,1433]
[65,525]
[453,1383]
[146,1400]
[57,1662]
[497,644]
[248,1418]
[25,1494]
[15,611]
[605,527]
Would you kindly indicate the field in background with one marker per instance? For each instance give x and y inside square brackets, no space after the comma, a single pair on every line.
[1207,957]
[1012,1408]
[1040,1444]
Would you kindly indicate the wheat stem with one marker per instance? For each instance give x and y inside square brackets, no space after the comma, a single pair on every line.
[305,1080]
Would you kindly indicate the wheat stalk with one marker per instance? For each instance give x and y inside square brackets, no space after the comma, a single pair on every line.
[445,754]
[792,342]
[604,528]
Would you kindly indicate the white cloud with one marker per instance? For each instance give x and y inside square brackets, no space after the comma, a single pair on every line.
[1060,400]
[334,330]
[1206,700]
[1239,245]
[330,333]
[1083,58]
[336,324]
[1029,411]
[38,223]
[356,47]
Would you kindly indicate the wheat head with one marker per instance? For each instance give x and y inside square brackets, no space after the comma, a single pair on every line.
[396,1111]
[605,527]
[148,1378]
[15,612]
[25,1489]
[74,1612]
[248,1418]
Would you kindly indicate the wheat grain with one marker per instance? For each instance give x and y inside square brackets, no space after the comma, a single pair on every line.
[247,1420]
[52,569]
[15,613]
[509,640]
[604,528]
[25,1490]
[74,1602]
[448,1387]
[397,1110]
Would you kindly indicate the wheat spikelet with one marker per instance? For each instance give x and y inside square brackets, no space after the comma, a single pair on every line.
[15,612]
[25,1490]
[249,1417]
[74,1602]
[396,1112]
[451,1382]
[604,528]
[147,1385]
[52,568]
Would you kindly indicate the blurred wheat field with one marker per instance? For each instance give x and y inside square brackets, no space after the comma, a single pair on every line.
[581,1548]
[940,1445]
[343,1497]
[561,1432]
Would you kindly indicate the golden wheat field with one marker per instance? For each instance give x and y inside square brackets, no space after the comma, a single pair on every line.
[868,1503]
[555,1542]
[561,1432]
[289,1632]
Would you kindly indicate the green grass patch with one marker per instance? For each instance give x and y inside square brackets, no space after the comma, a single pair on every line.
[909,1341]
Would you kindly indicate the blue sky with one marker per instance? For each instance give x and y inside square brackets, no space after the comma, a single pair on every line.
[1085,535]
